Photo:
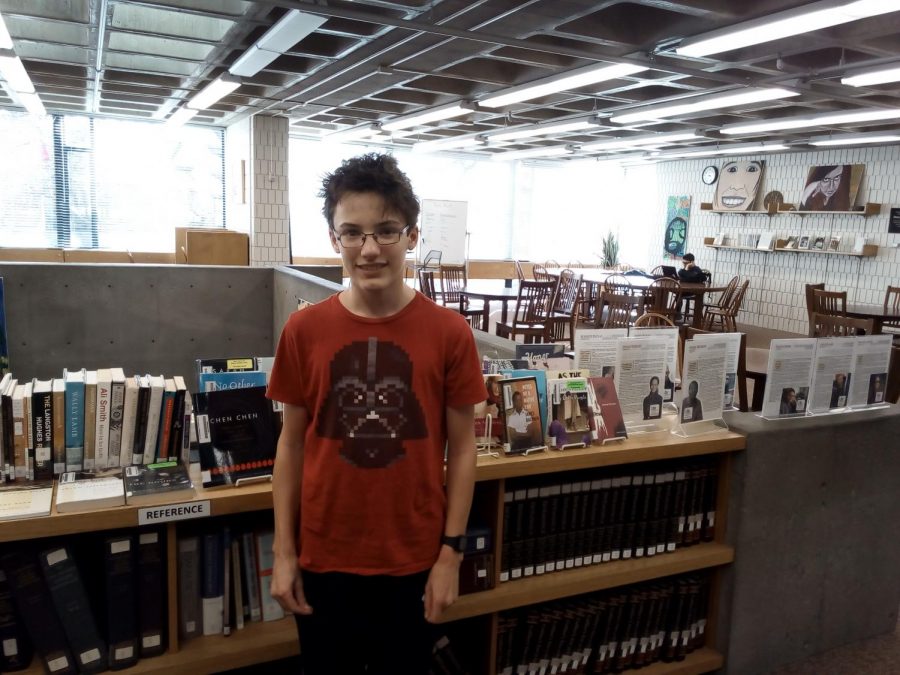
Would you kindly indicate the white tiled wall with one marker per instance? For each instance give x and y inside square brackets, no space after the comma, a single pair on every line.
[270,242]
[776,295]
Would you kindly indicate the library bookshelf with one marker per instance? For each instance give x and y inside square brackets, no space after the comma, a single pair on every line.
[260,642]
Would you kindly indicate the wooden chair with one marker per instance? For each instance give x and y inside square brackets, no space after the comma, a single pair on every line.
[688,299]
[539,272]
[453,280]
[892,302]
[829,302]
[892,391]
[619,309]
[654,320]
[725,318]
[530,320]
[426,283]
[664,297]
[809,288]
[833,325]
[726,295]
[566,305]
[619,284]
[520,273]
[759,379]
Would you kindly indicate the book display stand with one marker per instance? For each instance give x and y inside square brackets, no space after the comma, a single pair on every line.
[484,444]
[267,478]
[508,452]
[567,446]
[692,429]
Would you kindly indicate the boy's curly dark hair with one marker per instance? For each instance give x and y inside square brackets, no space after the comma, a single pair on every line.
[372,172]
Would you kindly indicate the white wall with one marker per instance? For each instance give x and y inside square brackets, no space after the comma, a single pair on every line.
[238,177]
[776,295]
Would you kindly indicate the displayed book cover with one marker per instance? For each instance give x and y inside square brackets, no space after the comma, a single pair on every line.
[766,240]
[542,356]
[85,491]
[611,424]
[818,244]
[803,242]
[243,379]
[791,242]
[26,499]
[235,434]
[541,377]
[859,243]
[571,412]
[521,410]
[834,243]
[226,365]
[492,366]
[158,483]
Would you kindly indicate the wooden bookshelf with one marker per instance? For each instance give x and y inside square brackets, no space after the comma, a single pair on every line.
[868,209]
[771,211]
[704,660]
[544,587]
[869,250]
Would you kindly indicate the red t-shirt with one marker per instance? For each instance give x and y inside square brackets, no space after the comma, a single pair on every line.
[372,497]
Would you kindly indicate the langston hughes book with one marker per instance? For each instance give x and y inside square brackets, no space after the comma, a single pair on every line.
[236,435]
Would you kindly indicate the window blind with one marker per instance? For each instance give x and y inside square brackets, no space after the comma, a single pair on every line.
[75,181]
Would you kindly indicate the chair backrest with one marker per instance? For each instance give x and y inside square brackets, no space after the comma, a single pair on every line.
[892,391]
[533,303]
[568,293]
[892,298]
[618,284]
[426,283]
[809,299]
[539,272]
[618,309]
[728,293]
[737,299]
[520,273]
[829,302]
[453,280]
[657,271]
[653,320]
[552,264]
[833,325]
[664,294]
[707,277]
[432,259]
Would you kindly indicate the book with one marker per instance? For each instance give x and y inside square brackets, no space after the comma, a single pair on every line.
[20,437]
[611,423]
[859,243]
[85,491]
[216,381]
[7,461]
[226,365]
[212,583]
[42,431]
[17,648]
[818,243]
[791,242]
[165,421]
[116,412]
[26,499]
[129,422]
[151,593]
[190,613]
[70,600]
[140,420]
[523,430]
[235,434]
[159,483]
[74,408]
[176,436]
[265,560]
[803,243]
[120,595]
[101,421]
[59,426]
[28,455]
[237,584]
[227,586]
[766,240]
[157,385]
[251,575]
[90,417]
[834,243]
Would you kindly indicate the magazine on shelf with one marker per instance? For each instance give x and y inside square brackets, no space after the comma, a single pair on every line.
[859,243]
[832,373]
[803,243]
[834,243]
[791,242]
[788,377]
[766,240]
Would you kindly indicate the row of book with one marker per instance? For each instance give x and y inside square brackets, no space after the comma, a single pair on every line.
[84,606]
[606,632]
[552,524]
[90,420]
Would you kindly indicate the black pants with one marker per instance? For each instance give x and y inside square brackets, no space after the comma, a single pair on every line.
[372,625]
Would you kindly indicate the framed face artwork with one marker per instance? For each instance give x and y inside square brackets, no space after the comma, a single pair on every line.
[739,183]
[678,213]
[832,187]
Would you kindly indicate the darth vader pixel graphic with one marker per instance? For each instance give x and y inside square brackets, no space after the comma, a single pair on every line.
[371,406]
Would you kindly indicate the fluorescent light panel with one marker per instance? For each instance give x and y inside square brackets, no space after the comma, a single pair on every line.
[5,38]
[739,149]
[579,77]
[289,30]
[872,77]
[555,151]
[713,103]
[14,72]
[856,139]
[449,144]
[354,133]
[540,130]
[252,61]
[181,116]
[433,115]
[824,119]
[783,24]
[221,86]
[637,141]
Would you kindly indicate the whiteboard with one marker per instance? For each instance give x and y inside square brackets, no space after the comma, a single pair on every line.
[443,228]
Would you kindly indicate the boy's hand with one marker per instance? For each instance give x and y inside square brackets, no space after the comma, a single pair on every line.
[287,586]
[442,588]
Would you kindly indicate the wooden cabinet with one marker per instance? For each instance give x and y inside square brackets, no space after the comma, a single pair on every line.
[261,642]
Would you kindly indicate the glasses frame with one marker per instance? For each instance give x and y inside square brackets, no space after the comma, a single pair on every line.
[365,235]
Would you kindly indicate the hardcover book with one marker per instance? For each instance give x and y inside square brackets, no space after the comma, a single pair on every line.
[90,416]
[236,435]
[151,591]
[176,437]
[159,483]
[17,650]
[129,422]
[74,408]
[165,421]
[101,421]
[140,420]
[271,610]
[59,426]
[190,613]
[225,365]
[521,412]
[84,491]
[121,611]
[154,413]
[116,412]
[42,428]
[231,380]
[611,423]
[7,461]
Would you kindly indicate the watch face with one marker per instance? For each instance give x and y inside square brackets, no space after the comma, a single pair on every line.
[709,175]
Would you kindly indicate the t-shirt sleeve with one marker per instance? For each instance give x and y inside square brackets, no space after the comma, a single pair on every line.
[286,376]
[465,383]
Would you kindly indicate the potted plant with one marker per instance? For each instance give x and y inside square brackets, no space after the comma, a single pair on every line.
[610,254]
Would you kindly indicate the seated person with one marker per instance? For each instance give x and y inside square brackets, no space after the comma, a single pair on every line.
[690,273]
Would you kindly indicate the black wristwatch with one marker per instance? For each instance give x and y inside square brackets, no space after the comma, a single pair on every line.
[458,543]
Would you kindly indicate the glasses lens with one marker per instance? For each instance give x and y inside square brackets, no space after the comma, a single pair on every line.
[387,237]
[351,240]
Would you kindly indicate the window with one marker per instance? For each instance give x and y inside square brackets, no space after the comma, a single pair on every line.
[82,182]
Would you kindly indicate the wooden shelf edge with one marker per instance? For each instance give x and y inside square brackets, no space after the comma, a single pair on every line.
[703,660]
[587,579]
[864,254]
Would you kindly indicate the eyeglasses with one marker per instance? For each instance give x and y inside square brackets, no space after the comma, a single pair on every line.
[382,238]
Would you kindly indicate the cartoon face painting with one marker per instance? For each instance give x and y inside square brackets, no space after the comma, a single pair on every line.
[739,182]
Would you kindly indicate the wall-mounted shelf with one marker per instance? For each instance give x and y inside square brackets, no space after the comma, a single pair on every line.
[869,250]
[772,210]
[708,242]
[868,209]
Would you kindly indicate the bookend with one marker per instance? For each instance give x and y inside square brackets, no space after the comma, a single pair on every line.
[566,446]
[699,428]
[522,453]
[267,478]
[484,444]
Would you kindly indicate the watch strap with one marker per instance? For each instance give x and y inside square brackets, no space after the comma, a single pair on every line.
[457,543]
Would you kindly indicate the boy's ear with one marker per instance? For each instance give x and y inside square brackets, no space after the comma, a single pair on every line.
[413,237]
[334,242]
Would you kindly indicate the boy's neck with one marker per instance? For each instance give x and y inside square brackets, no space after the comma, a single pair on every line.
[377,305]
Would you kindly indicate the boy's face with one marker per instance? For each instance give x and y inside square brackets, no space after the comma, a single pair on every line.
[372,267]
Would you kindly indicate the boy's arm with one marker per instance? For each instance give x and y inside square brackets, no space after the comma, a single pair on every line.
[443,582]
[287,586]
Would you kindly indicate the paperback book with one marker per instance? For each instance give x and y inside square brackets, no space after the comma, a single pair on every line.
[26,499]
[236,435]
[85,491]
[158,483]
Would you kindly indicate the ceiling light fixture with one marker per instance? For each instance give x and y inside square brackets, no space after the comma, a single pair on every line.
[460,143]
[780,25]
[181,116]
[5,38]
[532,130]
[727,100]
[572,79]
[637,141]
[354,133]
[823,119]
[872,77]
[856,139]
[736,149]
[14,72]
[288,31]
[534,153]
[433,115]
[221,86]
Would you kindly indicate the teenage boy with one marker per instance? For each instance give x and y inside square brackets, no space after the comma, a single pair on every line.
[376,381]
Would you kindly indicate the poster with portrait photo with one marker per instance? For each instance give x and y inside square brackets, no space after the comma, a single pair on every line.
[788,377]
[732,360]
[640,361]
[832,373]
[705,366]
[871,359]
[739,184]
[832,187]
[803,243]
[678,215]
[522,418]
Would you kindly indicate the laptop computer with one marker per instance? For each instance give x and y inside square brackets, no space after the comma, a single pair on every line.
[669,271]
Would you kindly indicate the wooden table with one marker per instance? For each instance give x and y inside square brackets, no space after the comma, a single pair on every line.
[488,291]
[878,313]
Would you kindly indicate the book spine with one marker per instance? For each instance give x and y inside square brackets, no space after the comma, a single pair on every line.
[165,426]
[140,424]
[176,433]
[90,427]
[251,576]
[121,601]
[237,585]
[153,415]
[16,650]
[74,426]
[20,440]
[227,598]
[101,432]
[189,607]
[151,585]
[212,590]
[129,421]
[59,431]
[42,416]
[9,457]
[265,559]
[116,411]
